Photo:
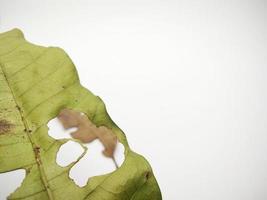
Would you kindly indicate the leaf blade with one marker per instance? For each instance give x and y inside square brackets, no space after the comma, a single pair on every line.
[36,83]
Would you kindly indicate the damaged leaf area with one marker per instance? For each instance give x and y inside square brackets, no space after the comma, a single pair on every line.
[87,131]
[38,84]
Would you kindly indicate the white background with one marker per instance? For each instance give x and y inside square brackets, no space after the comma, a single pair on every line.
[185,80]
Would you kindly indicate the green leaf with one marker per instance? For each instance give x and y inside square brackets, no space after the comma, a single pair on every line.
[35,84]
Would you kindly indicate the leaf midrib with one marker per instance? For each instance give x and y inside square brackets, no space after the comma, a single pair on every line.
[28,132]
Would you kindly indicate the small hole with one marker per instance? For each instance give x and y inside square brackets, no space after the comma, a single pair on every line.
[10,181]
[57,131]
[68,153]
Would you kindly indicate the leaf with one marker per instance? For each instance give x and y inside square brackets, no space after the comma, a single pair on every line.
[36,83]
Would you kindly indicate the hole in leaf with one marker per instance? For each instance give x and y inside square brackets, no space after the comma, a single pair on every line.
[10,181]
[57,131]
[68,153]
[95,162]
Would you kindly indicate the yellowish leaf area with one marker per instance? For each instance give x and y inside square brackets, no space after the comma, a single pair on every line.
[38,84]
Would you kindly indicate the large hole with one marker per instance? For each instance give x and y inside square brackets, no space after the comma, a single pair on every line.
[10,181]
[93,163]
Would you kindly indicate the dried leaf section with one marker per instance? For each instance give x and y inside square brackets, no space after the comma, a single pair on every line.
[88,131]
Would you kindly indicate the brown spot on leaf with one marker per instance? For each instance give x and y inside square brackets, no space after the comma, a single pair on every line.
[87,131]
[5,126]
[37,156]
[37,150]
[147,175]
